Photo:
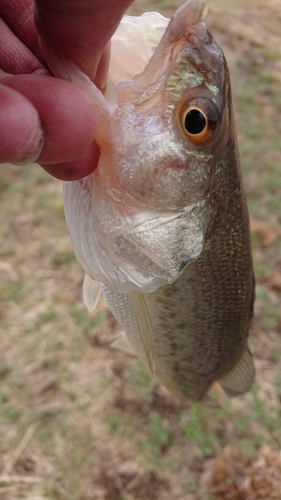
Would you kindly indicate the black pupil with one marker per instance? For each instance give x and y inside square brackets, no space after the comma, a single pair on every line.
[194,122]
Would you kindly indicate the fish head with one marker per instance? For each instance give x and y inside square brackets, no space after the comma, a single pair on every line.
[143,215]
[173,120]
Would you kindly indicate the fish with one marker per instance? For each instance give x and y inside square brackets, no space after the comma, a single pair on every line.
[162,225]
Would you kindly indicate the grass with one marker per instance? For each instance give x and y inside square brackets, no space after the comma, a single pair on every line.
[103,428]
[196,429]
[159,437]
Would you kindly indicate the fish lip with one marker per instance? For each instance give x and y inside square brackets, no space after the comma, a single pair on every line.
[190,13]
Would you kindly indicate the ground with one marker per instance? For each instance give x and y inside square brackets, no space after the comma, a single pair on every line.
[79,421]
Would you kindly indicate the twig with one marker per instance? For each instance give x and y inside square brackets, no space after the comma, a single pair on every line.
[19,479]
[19,450]
[8,489]
[122,489]
[134,482]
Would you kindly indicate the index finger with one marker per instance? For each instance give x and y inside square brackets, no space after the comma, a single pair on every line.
[18,15]
[79,29]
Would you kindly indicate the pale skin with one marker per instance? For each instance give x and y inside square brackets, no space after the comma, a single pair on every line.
[37,110]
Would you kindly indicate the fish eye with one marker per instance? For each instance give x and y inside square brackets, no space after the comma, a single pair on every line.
[198,120]
[195,121]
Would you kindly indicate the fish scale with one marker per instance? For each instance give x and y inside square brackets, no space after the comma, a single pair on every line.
[189,324]
[200,328]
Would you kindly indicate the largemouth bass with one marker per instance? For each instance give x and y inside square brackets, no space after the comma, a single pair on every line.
[162,223]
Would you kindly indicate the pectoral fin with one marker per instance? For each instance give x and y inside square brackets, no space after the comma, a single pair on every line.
[241,378]
[145,327]
[91,293]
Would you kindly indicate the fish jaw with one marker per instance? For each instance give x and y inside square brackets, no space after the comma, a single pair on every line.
[187,18]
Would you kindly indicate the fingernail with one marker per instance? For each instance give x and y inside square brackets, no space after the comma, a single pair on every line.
[34,154]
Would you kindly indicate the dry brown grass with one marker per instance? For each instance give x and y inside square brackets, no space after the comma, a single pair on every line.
[79,421]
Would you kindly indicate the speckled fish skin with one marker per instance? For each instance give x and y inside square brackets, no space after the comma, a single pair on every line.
[200,319]
[201,322]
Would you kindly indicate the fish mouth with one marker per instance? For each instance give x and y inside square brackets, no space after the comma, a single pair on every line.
[185,28]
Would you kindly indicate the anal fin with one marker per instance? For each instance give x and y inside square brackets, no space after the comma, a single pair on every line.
[241,378]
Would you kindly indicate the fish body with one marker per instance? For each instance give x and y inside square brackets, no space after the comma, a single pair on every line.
[163,223]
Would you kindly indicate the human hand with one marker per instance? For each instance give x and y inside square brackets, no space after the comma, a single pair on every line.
[44,118]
